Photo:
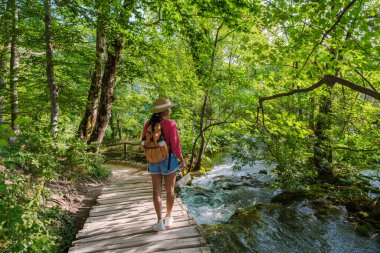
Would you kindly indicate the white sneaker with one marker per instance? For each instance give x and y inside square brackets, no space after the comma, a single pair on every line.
[168,221]
[159,226]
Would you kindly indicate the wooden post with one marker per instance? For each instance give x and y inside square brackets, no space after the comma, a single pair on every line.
[125,151]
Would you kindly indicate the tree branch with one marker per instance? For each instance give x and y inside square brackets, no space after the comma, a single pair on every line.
[358,44]
[330,80]
[365,79]
[369,92]
[225,36]
[313,87]
[219,123]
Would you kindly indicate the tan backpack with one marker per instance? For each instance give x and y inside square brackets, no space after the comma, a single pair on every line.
[155,147]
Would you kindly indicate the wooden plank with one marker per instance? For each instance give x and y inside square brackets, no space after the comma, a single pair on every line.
[188,250]
[147,207]
[129,213]
[121,208]
[127,205]
[122,177]
[124,226]
[100,222]
[132,201]
[118,206]
[126,199]
[175,244]
[132,231]
[127,187]
[136,241]
[118,194]
[122,181]
[127,192]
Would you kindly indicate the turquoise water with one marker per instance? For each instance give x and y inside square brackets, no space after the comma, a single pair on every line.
[220,198]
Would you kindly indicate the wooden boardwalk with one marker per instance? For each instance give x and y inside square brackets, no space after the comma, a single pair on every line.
[124,217]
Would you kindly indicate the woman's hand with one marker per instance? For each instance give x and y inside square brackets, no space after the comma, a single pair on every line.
[182,165]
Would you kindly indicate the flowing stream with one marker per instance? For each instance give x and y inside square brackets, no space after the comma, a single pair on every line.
[236,211]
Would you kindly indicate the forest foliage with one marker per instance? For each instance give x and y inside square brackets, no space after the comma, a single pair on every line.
[292,83]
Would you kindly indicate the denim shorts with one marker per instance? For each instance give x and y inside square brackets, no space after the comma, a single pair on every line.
[162,167]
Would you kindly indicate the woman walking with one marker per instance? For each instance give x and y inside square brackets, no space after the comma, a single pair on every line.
[159,123]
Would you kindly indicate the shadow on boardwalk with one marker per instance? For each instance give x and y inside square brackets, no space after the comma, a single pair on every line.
[122,221]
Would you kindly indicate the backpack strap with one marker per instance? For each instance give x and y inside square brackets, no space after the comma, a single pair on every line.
[170,148]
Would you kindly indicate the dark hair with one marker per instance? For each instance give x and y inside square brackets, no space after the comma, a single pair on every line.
[156,118]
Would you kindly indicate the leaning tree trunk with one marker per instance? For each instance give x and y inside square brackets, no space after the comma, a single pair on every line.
[107,90]
[89,119]
[14,65]
[53,88]
[201,149]
[109,77]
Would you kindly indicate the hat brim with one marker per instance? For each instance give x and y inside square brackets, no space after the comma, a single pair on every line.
[157,110]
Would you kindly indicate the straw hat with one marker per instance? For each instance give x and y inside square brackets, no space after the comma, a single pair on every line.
[161,105]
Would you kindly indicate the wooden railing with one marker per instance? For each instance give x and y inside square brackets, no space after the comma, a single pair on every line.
[125,148]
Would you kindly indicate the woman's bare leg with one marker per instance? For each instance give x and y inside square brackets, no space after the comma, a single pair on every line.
[157,188]
[169,188]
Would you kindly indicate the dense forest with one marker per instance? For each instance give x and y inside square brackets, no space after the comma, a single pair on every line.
[288,82]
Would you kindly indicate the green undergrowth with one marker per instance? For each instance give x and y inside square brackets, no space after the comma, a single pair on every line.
[33,162]
[26,224]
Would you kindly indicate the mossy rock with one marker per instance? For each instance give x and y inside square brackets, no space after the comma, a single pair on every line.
[224,237]
[250,215]
[375,212]
[288,197]
[364,229]
[345,181]
[324,207]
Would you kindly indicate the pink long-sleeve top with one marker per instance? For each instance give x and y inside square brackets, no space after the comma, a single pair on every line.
[170,135]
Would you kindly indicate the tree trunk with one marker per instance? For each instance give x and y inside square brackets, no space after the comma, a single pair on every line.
[3,80]
[14,65]
[322,146]
[198,162]
[311,115]
[53,88]
[4,60]
[89,119]
[201,150]
[109,77]
[107,90]
[112,125]
[119,129]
